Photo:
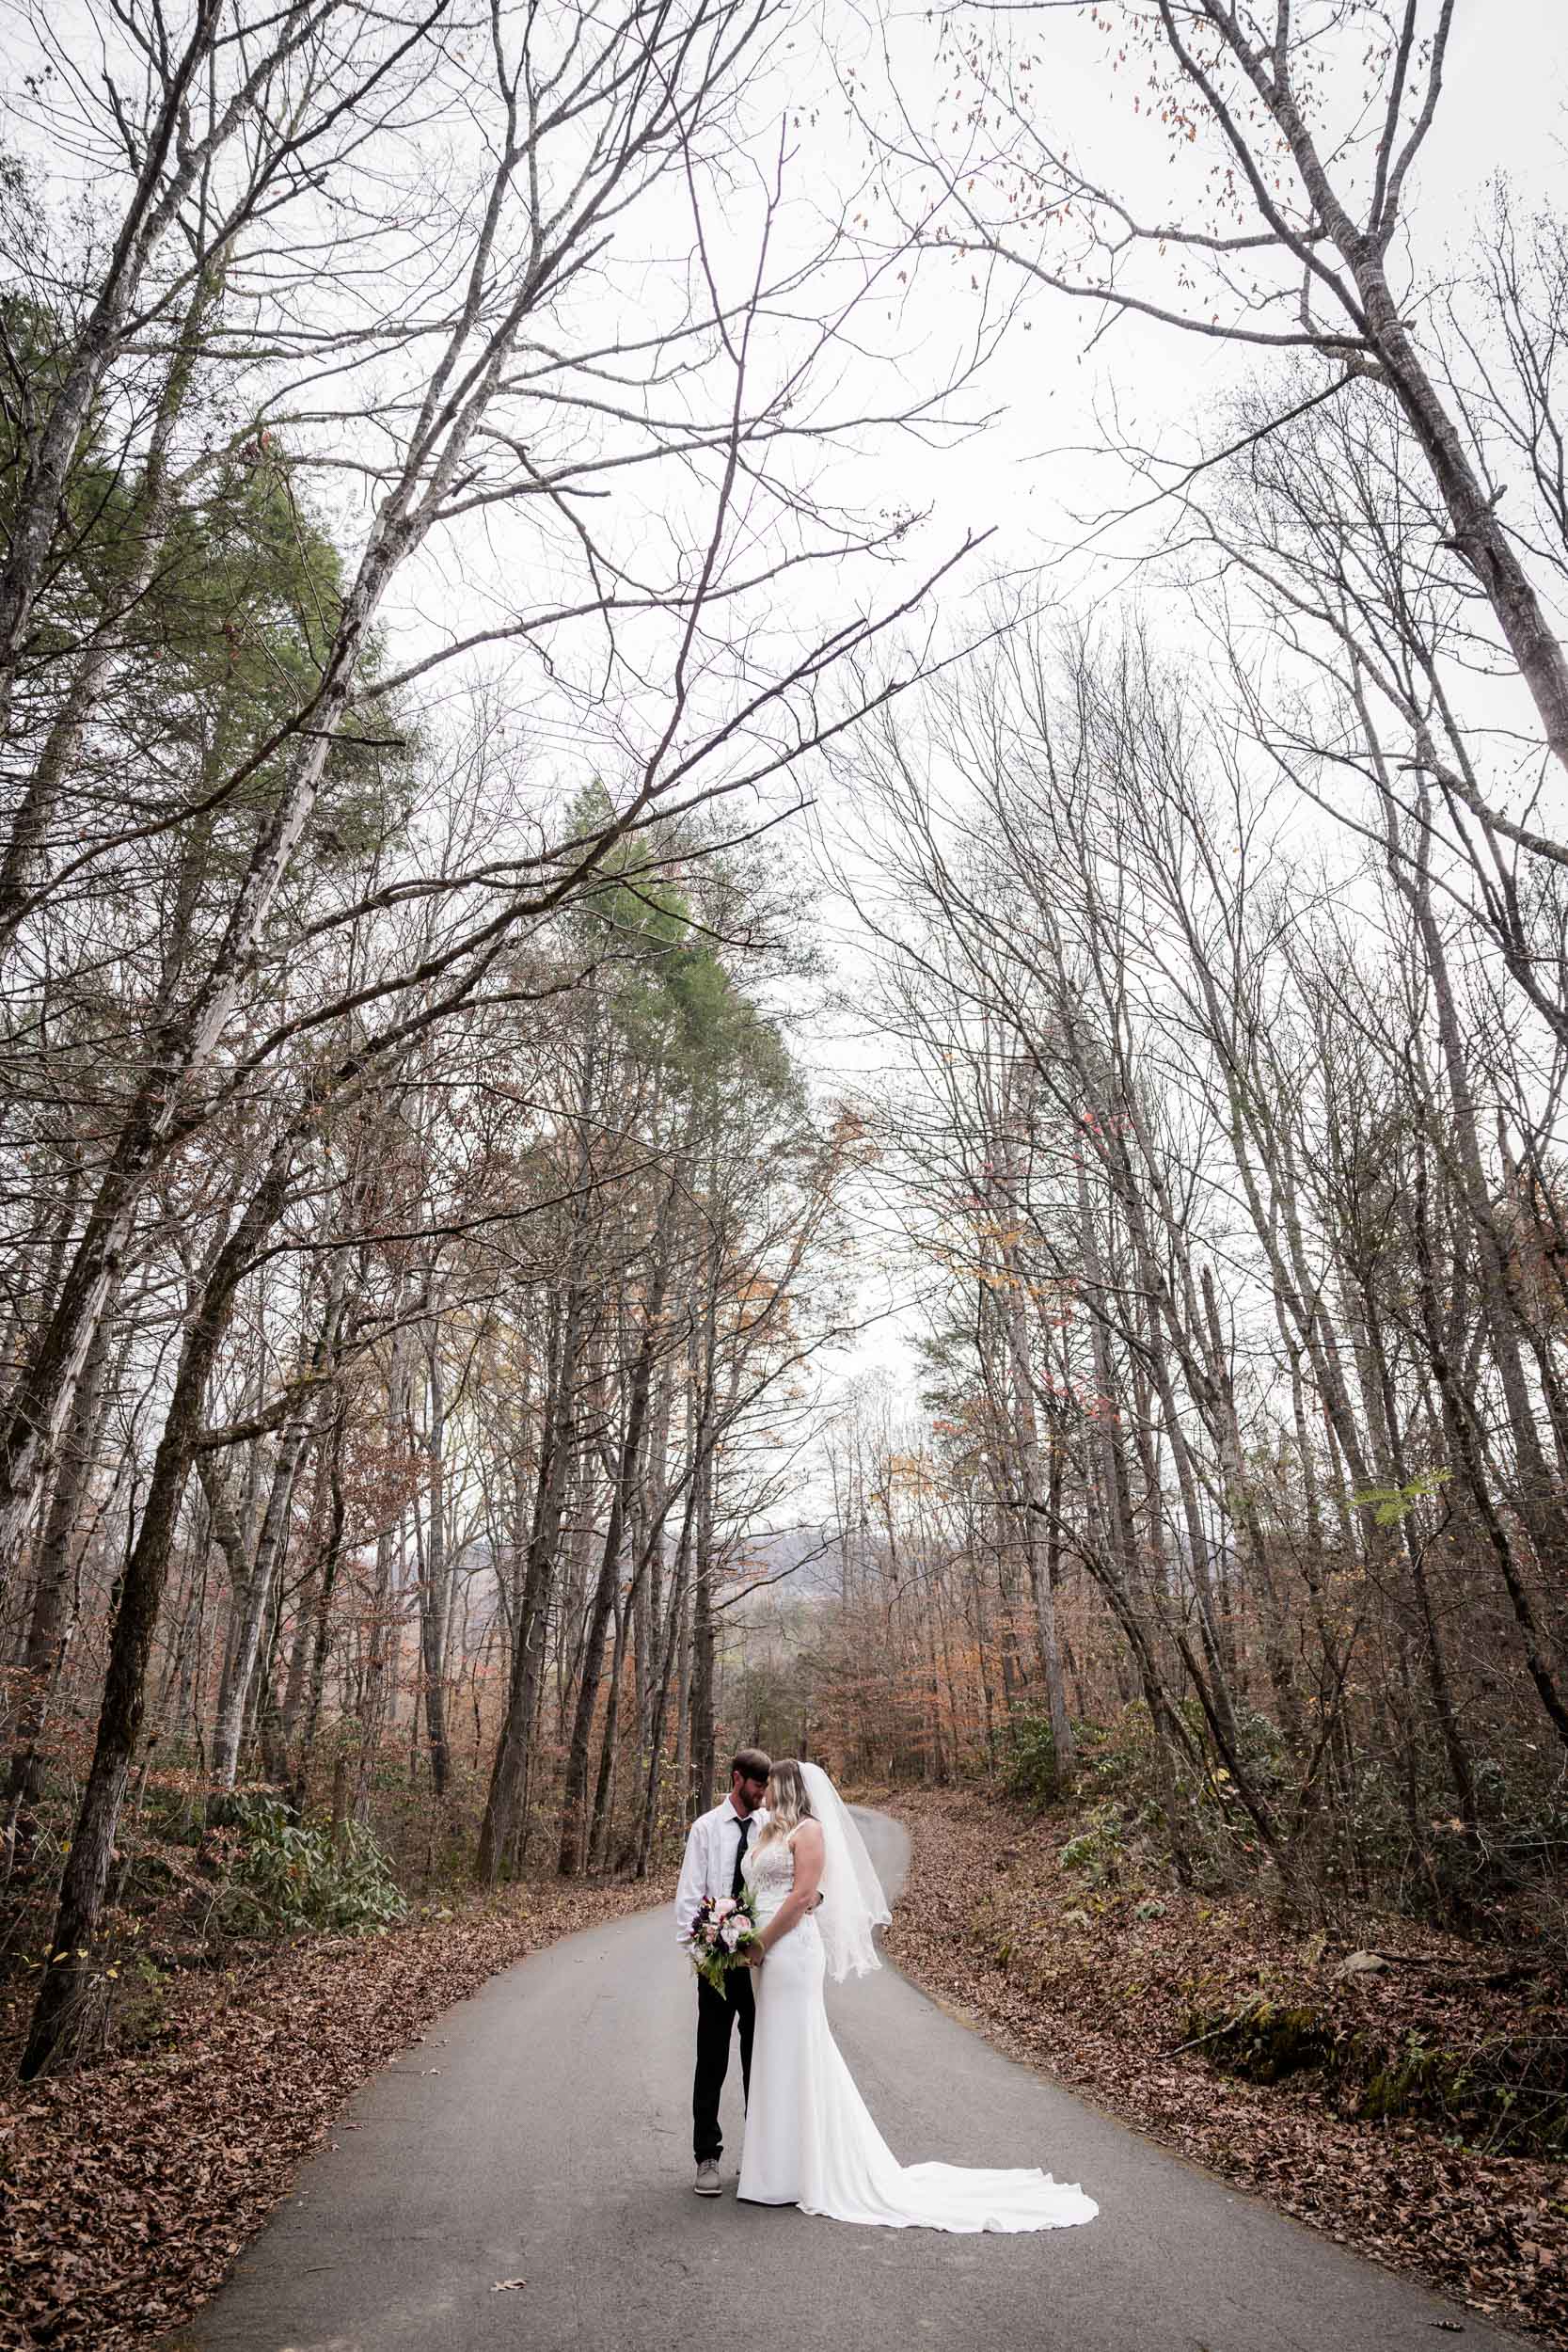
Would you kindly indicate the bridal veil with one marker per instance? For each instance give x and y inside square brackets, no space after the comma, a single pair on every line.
[853,1905]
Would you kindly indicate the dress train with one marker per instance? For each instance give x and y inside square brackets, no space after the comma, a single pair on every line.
[810,2139]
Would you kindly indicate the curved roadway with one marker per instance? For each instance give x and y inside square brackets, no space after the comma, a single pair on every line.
[554,2146]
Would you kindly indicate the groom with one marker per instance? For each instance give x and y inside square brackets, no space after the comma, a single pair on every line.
[715,1850]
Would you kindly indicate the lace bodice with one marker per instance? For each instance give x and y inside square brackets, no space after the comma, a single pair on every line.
[770,1874]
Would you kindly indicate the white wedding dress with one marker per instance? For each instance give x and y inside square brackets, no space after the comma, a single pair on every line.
[810,2140]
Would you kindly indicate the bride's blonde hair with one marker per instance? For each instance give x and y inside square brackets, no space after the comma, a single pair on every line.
[786,1801]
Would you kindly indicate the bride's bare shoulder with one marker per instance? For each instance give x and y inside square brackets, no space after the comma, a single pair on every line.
[809,1831]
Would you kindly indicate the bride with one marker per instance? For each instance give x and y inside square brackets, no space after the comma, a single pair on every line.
[810,2140]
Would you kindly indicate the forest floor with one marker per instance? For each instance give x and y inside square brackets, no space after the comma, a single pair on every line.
[1069,1977]
[128,2188]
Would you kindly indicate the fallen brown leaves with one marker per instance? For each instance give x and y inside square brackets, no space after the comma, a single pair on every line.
[1102,2005]
[129,2190]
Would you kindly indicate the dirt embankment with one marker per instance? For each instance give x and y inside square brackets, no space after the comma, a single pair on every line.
[1103,1985]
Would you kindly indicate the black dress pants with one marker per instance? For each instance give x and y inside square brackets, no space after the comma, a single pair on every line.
[716,2012]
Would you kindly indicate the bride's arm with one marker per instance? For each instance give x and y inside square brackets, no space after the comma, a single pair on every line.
[802,1895]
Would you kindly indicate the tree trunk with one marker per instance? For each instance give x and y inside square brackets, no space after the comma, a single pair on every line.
[667,1667]
[574,1792]
[52,1595]
[258,1599]
[435,1584]
[506,1804]
[68,2012]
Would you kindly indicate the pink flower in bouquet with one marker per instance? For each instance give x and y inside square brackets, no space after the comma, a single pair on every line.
[720,1926]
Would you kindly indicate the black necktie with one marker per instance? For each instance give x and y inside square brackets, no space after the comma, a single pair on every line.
[738,1884]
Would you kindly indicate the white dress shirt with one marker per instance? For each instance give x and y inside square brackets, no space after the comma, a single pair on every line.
[708,1865]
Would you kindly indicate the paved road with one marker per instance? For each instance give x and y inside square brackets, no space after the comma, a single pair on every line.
[554,2145]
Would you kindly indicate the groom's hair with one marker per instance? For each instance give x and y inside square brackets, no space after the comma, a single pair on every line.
[750,1763]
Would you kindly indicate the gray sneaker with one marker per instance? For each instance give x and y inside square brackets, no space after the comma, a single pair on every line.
[707,2183]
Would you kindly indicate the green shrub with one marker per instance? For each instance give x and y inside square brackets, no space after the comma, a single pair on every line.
[1097,1849]
[289,1875]
[1033,1775]
[1110,1755]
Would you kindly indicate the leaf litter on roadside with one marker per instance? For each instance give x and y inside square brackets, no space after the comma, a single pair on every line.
[1075,1983]
[130,2189]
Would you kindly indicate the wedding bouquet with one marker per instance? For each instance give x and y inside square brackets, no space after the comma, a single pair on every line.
[721,1928]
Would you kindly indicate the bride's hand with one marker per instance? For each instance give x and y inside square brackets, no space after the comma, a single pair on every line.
[754,1955]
